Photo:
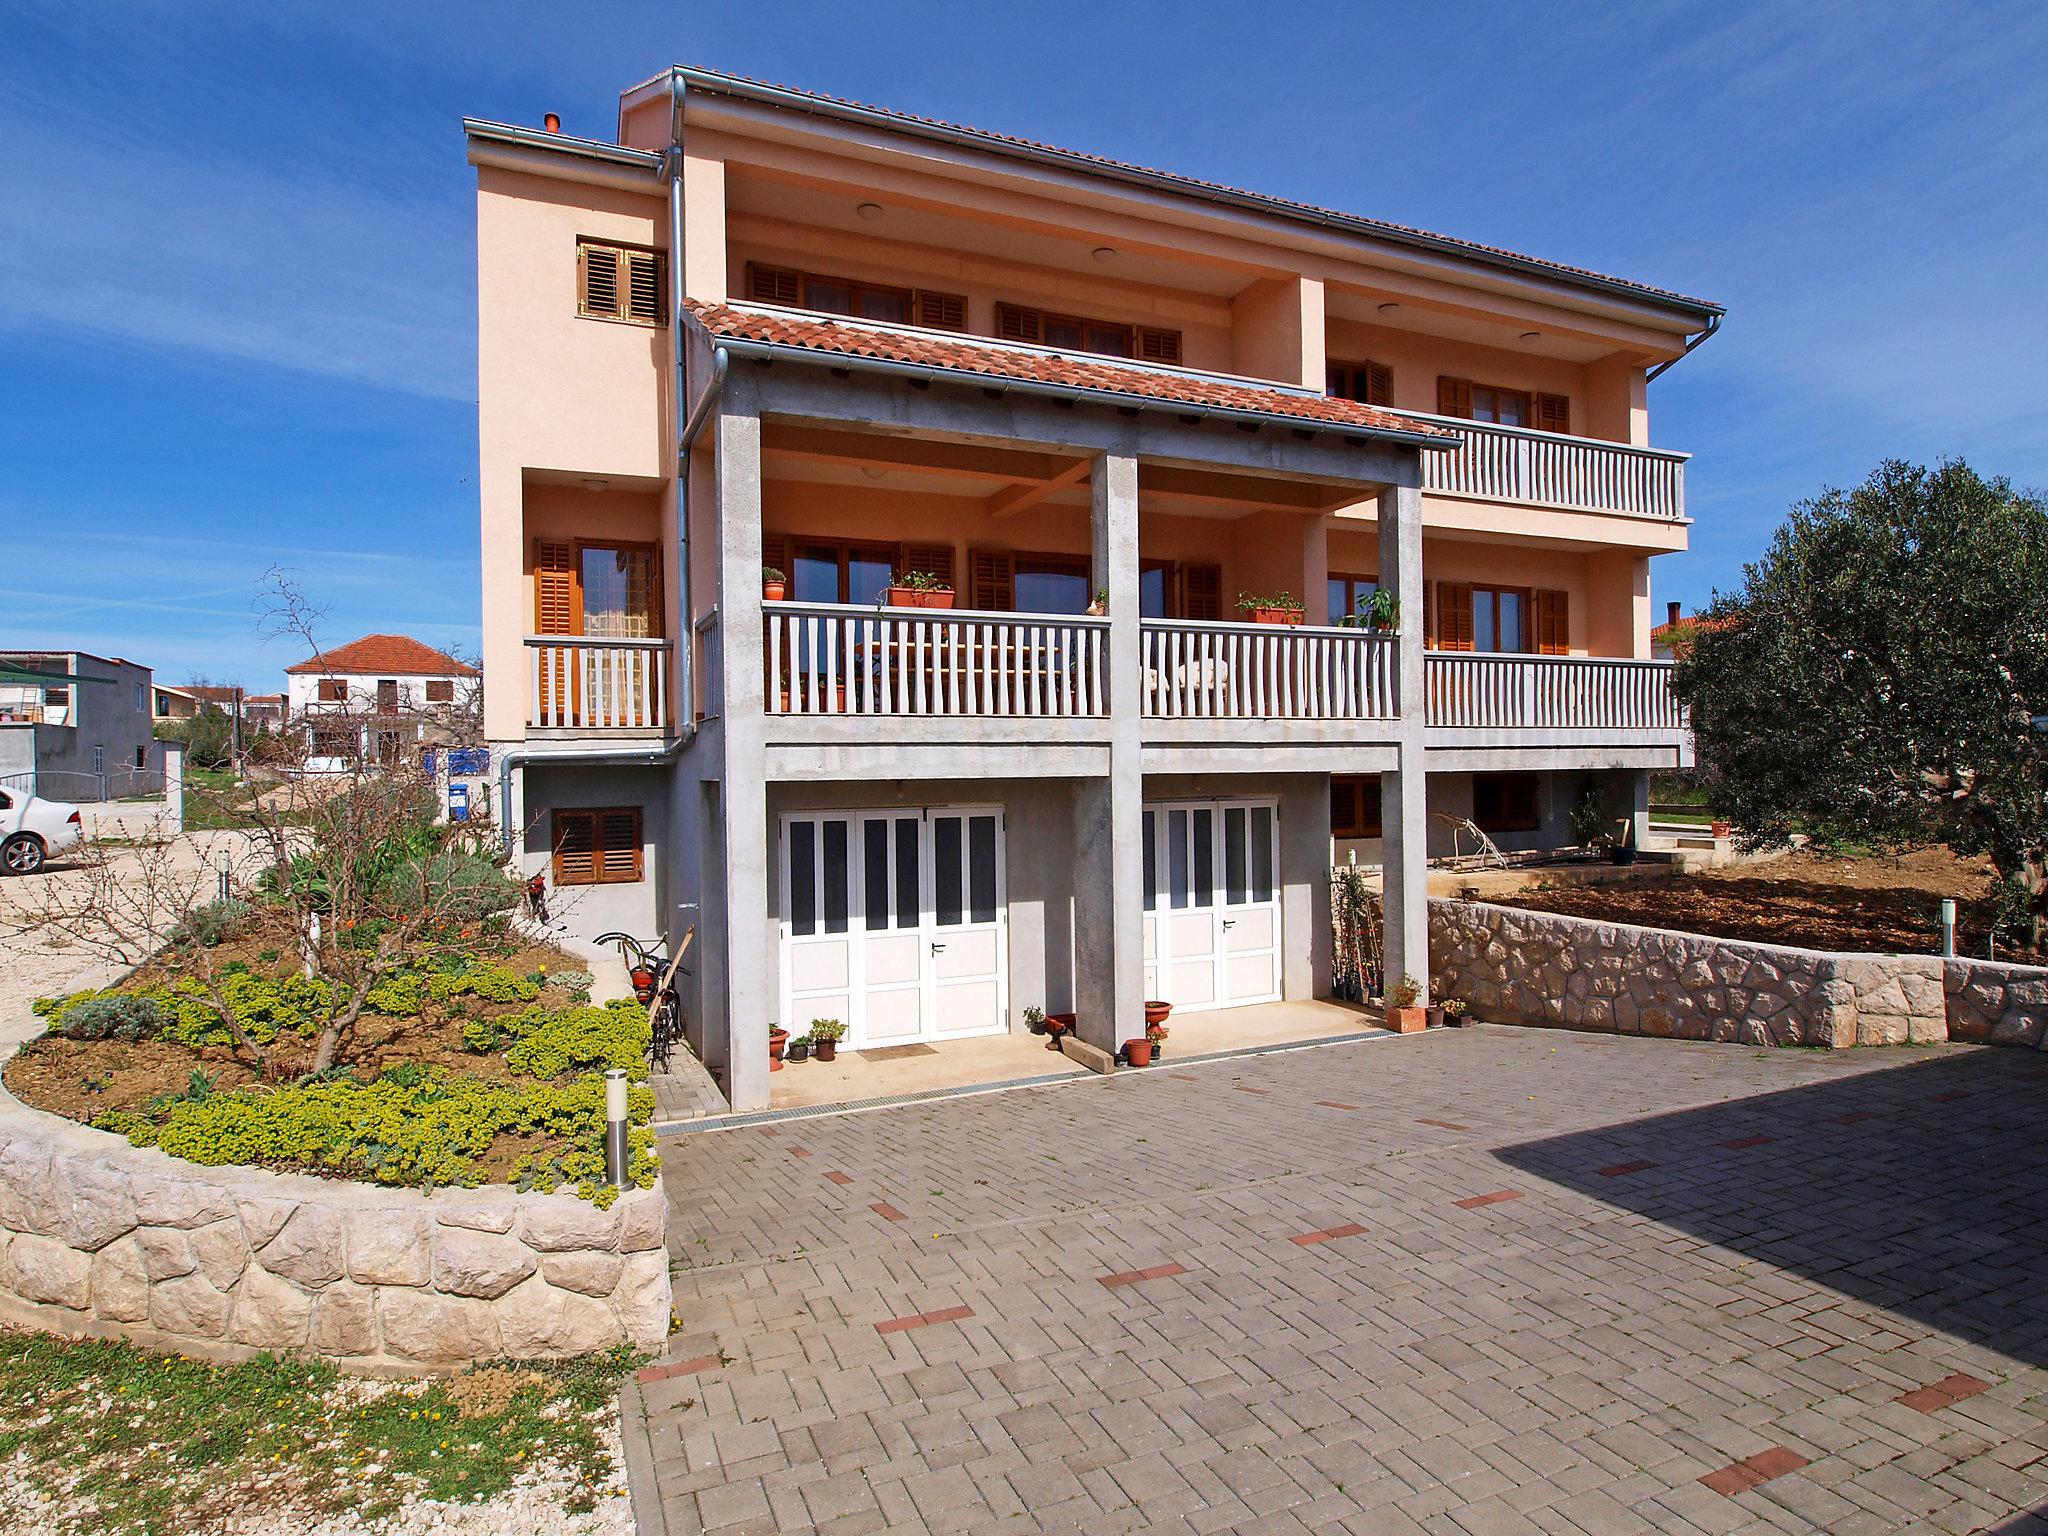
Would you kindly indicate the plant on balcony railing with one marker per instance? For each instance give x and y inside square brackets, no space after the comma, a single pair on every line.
[1284,608]
[774,585]
[917,589]
[1378,611]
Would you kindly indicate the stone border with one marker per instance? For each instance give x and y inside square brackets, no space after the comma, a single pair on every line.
[103,1238]
[1545,968]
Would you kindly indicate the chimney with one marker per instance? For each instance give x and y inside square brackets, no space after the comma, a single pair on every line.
[553,121]
[1671,613]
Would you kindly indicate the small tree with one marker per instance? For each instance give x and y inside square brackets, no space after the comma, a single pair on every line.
[1879,675]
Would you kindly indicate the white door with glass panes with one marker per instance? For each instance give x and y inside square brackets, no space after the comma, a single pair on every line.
[893,923]
[1212,903]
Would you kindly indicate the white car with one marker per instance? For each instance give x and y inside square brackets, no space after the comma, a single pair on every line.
[31,830]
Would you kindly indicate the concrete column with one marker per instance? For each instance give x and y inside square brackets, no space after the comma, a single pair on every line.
[1404,793]
[751,971]
[1315,570]
[1305,886]
[1109,891]
[174,787]
[1637,781]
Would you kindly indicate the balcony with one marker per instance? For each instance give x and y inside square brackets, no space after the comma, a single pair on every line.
[588,684]
[1563,699]
[1210,671]
[1547,469]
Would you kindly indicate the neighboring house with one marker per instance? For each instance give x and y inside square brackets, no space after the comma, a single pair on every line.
[175,703]
[881,343]
[1669,640]
[264,711]
[377,700]
[75,726]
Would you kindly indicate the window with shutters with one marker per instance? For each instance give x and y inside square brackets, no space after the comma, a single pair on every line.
[597,847]
[856,298]
[333,690]
[1028,581]
[607,589]
[851,571]
[1074,333]
[621,282]
[1504,802]
[1551,614]
[1355,805]
[1366,382]
[440,690]
[1502,406]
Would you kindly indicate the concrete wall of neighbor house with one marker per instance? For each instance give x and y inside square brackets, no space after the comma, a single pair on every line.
[117,717]
[17,752]
[588,910]
[1039,857]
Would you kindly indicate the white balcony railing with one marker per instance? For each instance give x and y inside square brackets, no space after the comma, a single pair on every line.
[836,659]
[1485,691]
[1553,470]
[1207,671]
[583,683]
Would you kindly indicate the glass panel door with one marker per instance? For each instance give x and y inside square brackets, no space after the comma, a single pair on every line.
[966,937]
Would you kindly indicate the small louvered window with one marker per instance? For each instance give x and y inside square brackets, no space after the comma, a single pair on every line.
[617,282]
[597,847]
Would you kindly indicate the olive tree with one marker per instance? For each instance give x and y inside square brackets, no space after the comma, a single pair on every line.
[1880,673]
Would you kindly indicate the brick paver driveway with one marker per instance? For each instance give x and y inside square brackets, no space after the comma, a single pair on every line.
[1476,1281]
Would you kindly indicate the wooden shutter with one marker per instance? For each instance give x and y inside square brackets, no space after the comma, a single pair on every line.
[1368,382]
[1158,346]
[1454,615]
[575,847]
[1552,413]
[644,287]
[1553,623]
[613,283]
[598,275]
[1014,322]
[554,587]
[618,844]
[774,285]
[1201,591]
[1379,384]
[992,570]
[940,311]
[775,552]
[937,559]
[1453,396]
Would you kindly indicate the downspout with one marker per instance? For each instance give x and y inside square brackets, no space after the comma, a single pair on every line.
[1713,325]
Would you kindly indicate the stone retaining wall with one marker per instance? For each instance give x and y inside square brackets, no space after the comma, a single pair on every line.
[1545,968]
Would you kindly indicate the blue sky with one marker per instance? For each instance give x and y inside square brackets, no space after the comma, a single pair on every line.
[237,298]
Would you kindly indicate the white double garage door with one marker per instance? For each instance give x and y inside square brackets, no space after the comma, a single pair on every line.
[896,922]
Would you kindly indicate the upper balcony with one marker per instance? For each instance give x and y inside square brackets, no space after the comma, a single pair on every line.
[1521,466]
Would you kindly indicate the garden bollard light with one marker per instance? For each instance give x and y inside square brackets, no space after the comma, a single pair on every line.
[1948,927]
[226,882]
[615,1126]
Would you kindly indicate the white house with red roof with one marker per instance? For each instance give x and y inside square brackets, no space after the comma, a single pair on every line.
[377,700]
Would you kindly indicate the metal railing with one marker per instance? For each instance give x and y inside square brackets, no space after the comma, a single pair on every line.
[583,682]
[1554,470]
[1201,670]
[1488,691]
[838,659]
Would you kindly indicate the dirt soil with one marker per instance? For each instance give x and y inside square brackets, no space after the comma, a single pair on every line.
[1867,902]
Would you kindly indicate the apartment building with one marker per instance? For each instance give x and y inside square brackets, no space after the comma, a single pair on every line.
[959,574]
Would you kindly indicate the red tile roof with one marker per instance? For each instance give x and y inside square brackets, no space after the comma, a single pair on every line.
[1039,365]
[385,655]
[715,81]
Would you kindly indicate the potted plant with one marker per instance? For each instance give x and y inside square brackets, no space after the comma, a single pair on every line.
[1592,828]
[778,1040]
[1283,609]
[1034,1020]
[825,1035]
[1138,1051]
[1721,828]
[917,589]
[1403,1017]
[1100,607]
[1454,1011]
[1375,610]
[1155,1036]
[1155,1015]
[774,585]
[1434,1013]
[798,1049]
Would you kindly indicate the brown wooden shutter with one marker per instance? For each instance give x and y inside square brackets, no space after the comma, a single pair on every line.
[618,844]
[993,570]
[645,286]
[1454,615]
[1552,413]
[1553,623]
[935,559]
[940,311]
[1158,346]
[774,285]
[1453,396]
[598,280]
[1429,616]
[1014,322]
[1201,591]
[554,587]
[1379,384]
[775,553]
[576,860]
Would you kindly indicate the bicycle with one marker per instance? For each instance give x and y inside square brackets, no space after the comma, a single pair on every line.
[654,983]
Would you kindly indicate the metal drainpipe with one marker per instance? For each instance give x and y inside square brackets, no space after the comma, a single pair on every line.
[1692,345]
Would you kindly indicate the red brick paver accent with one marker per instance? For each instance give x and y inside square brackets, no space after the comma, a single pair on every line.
[1444,1125]
[1950,1389]
[1134,1276]
[1246,1088]
[837,1177]
[1855,1115]
[1739,1477]
[797,1151]
[1743,1143]
[669,1368]
[887,1212]
[924,1319]
[1333,1104]
[1309,1239]
[1951,1096]
[1473,1203]
[1620,1168]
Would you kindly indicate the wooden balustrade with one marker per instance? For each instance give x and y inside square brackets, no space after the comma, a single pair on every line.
[1209,671]
[1489,691]
[582,682]
[1549,469]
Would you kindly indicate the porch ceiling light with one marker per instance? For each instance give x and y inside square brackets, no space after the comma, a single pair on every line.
[873,471]
[1104,253]
[870,211]
[1389,307]
[597,485]
[1530,335]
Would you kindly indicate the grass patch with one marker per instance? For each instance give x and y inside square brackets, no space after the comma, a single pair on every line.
[214,802]
[128,1442]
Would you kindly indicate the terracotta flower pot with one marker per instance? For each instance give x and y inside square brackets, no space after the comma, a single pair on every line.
[1436,1017]
[1278,615]
[778,1038]
[1156,1012]
[920,597]
[1057,1024]
[774,591]
[1138,1052]
[828,1050]
[1721,828]
[1407,1021]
